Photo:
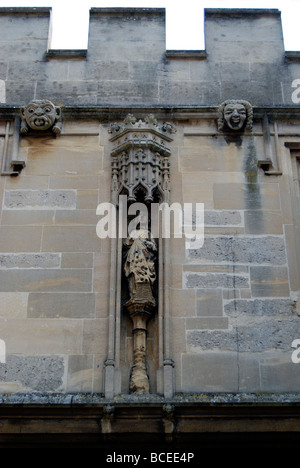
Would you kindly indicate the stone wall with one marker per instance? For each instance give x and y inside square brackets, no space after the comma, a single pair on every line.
[229,310]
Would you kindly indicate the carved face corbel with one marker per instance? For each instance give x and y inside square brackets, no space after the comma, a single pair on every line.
[41,115]
[235,115]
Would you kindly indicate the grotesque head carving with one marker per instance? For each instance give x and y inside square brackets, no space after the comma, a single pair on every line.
[41,115]
[235,115]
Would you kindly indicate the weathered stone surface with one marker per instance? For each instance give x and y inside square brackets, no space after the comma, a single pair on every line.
[269,281]
[258,307]
[50,280]
[201,323]
[222,218]
[71,239]
[80,373]
[77,260]
[40,199]
[241,250]
[55,305]
[42,336]
[30,260]
[37,373]
[263,335]
[28,240]
[212,371]
[209,302]
[211,280]
[13,305]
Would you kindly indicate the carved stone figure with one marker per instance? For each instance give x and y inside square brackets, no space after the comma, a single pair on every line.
[139,269]
[139,265]
[41,115]
[235,115]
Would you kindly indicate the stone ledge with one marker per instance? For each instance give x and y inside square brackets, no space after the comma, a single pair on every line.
[66,54]
[179,399]
[40,11]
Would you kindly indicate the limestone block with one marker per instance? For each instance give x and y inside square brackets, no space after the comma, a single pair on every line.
[209,302]
[253,249]
[77,260]
[84,92]
[177,70]
[292,234]
[246,196]
[249,372]
[28,182]
[102,304]
[39,199]
[34,373]
[117,92]
[76,217]
[58,305]
[88,182]
[17,91]
[203,323]
[199,340]
[12,240]
[187,92]
[260,307]
[42,336]
[27,217]
[268,333]
[223,218]
[30,260]
[205,154]
[279,373]
[94,338]
[182,302]
[99,70]
[70,239]
[261,335]
[80,373]
[269,281]
[13,305]
[266,222]
[50,280]
[87,199]
[65,158]
[210,372]
[214,280]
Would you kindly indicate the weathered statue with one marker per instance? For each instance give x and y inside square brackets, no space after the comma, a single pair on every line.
[139,268]
[235,115]
[40,115]
[139,265]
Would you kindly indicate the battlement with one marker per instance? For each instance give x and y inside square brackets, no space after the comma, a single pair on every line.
[127,62]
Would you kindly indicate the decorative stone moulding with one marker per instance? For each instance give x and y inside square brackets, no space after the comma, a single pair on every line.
[140,159]
[40,116]
[235,115]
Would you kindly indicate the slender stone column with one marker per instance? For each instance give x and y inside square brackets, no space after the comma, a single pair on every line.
[139,380]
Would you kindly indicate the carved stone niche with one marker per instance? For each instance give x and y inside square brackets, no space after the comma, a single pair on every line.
[40,116]
[235,115]
[140,170]
[140,160]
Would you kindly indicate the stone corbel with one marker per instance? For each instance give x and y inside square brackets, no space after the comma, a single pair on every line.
[235,116]
[41,116]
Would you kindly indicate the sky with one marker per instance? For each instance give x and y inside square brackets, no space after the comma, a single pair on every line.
[184,19]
